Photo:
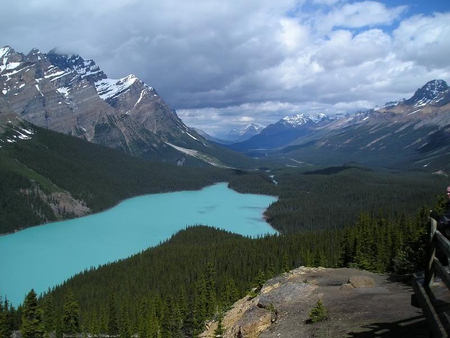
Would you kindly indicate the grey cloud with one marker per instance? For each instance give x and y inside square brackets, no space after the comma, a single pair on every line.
[222,63]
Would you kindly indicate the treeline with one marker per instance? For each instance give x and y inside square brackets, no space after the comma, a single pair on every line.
[172,289]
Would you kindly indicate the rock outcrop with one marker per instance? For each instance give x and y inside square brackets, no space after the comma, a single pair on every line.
[357,303]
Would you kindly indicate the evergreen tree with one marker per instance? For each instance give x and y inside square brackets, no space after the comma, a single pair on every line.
[318,313]
[182,302]
[48,315]
[58,326]
[210,285]
[219,331]
[286,266]
[153,322]
[94,327]
[200,301]
[260,280]
[70,314]
[113,326]
[143,321]
[32,326]
[125,330]
[5,319]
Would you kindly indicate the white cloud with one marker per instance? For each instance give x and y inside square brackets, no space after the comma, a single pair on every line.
[361,14]
[424,40]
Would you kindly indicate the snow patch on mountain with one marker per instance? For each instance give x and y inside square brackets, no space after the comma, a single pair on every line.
[108,88]
[17,133]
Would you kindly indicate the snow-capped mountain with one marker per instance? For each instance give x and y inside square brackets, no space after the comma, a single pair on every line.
[286,130]
[413,133]
[434,93]
[301,119]
[242,134]
[71,95]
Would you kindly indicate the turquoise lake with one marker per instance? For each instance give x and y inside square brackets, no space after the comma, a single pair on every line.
[44,256]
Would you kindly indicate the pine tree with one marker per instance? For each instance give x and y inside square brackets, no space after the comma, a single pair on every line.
[210,290]
[286,266]
[153,323]
[166,318]
[32,326]
[318,313]
[125,330]
[113,327]
[94,327]
[200,313]
[219,331]
[143,320]
[70,314]
[182,302]
[48,316]
[5,319]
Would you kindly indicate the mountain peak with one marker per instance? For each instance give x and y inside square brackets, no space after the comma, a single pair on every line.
[436,86]
[5,50]
[431,93]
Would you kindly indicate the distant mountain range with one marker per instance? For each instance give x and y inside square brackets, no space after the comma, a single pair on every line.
[409,134]
[71,95]
[283,132]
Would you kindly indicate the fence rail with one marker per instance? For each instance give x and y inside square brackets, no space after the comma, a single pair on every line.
[432,286]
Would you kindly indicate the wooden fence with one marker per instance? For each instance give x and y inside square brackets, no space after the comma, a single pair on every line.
[432,286]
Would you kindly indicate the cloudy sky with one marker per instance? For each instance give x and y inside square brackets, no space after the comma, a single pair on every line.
[225,63]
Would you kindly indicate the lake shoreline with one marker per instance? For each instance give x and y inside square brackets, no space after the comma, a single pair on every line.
[52,252]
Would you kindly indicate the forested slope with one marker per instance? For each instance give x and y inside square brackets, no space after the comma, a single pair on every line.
[33,172]
[331,198]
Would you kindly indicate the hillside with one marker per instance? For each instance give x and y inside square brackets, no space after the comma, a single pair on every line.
[48,176]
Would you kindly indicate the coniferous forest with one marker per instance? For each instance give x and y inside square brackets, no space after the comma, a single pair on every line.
[346,216]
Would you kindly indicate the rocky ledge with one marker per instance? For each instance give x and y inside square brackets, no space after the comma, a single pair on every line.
[358,304]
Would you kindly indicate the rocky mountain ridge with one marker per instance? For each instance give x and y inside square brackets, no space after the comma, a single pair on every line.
[301,119]
[286,130]
[71,95]
[412,133]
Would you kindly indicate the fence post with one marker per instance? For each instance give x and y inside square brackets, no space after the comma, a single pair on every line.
[431,252]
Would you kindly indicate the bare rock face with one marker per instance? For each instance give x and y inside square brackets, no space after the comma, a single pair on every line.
[74,96]
[358,303]
[7,115]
